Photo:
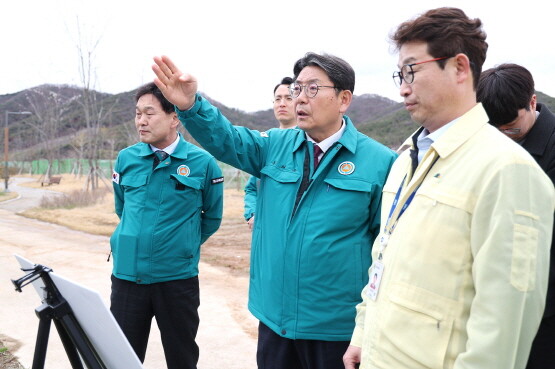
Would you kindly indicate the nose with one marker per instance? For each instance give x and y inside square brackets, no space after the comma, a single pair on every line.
[405,89]
[141,121]
[302,98]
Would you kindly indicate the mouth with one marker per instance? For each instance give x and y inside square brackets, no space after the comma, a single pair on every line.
[409,106]
[301,114]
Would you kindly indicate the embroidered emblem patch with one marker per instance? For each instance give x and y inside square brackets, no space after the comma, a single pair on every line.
[183,170]
[115,177]
[346,168]
[217,180]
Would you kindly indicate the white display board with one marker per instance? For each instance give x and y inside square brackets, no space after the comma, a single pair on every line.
[95,318]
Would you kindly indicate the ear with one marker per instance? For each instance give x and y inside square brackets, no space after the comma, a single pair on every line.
[175,120]
[462,65]
[345,97]
[533,103]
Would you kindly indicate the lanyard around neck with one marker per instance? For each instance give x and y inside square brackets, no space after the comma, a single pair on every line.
[389,228]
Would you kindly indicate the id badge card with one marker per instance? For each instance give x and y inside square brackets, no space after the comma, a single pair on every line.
[375,280]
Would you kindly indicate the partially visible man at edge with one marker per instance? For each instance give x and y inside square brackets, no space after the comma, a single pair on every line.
[508,95]
[168,196]
[317,210]
[462,260]
[284,111]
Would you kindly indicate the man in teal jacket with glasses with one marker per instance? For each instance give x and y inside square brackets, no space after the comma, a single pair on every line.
[317,211]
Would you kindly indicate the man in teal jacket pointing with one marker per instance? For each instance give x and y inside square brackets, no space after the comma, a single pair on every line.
[318,208]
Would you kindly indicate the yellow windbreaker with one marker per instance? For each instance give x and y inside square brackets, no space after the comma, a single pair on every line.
[465,269]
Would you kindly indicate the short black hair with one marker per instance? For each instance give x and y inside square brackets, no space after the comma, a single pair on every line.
[447,32]
[503,91]
[284,81]
[338,70]
[151,88]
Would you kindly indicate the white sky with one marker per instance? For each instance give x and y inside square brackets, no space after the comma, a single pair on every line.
[239,50]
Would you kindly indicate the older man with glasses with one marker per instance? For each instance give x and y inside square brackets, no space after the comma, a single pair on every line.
[317,212]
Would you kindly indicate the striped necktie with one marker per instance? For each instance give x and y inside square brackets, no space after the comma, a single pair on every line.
[159,156]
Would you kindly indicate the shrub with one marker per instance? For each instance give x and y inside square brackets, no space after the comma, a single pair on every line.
[75,199]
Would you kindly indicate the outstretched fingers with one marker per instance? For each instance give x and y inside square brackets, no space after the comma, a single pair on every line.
[163,72]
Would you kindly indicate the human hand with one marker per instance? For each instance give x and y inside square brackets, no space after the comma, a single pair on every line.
[179,88]
[250,222]
[351,359]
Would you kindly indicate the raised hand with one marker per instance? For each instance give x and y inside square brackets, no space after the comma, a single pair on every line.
[179,88]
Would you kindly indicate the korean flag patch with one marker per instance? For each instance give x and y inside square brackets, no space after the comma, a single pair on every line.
[115,177]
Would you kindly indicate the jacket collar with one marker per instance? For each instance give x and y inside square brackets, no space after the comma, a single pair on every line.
[180,152]
[538,137]
[348,139]
[462,130]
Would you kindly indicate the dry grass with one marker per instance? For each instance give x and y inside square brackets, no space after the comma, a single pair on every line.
[77,209]
[228,248]
[5,196]
[69,183]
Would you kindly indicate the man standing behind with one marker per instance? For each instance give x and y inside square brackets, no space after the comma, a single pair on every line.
[462,261]
[284,111]
[168,195]
[508,95]
[318,209]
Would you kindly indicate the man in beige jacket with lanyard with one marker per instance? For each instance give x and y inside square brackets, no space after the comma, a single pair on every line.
[467,216]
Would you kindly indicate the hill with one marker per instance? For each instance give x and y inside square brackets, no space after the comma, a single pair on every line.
[57,122]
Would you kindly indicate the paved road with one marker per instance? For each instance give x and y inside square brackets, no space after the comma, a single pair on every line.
[28,197]
[224,339]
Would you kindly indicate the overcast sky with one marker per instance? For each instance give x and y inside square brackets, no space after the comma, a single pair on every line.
[239,50]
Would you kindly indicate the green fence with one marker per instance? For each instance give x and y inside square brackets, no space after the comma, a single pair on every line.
[234,178]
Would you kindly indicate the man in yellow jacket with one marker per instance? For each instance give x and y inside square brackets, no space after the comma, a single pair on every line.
[462,262]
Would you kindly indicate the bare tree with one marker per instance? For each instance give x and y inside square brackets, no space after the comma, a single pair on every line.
[78,144]
[94,111]
[48,107]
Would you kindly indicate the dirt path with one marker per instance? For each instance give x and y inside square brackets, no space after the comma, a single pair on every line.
[226,333]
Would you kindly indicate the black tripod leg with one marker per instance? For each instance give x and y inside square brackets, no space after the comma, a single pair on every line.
[81,342]
[42,341]
[69,346]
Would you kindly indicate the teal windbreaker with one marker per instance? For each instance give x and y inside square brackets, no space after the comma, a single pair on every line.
[251,192]
[309,265]
[165,214]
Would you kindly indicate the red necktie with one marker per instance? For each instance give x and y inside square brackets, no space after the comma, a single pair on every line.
[317,152]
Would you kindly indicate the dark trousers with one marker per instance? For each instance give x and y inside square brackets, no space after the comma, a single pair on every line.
[175,306]
[542,355]
[276,352]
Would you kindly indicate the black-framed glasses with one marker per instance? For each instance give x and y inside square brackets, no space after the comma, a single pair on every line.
[310,89]
[407,74]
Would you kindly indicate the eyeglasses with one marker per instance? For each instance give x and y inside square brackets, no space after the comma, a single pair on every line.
[310,89]
[510,131]
[285,99]
[407,74]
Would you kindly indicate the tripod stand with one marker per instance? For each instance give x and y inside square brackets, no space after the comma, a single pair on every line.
[55,308]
